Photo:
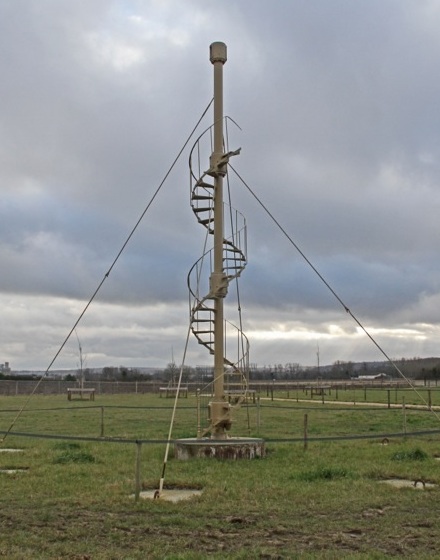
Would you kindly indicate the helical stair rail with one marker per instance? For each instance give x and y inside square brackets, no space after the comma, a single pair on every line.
[236,360]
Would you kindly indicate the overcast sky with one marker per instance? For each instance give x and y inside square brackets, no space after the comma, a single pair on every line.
[338,105]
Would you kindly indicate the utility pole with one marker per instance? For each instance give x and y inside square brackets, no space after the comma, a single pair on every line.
[317,355]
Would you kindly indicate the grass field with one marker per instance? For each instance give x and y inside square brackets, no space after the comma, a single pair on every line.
[74,498]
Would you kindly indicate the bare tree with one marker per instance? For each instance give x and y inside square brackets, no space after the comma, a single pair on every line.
[82,362]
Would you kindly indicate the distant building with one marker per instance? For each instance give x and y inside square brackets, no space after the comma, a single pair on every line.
[4,368]
[373,377]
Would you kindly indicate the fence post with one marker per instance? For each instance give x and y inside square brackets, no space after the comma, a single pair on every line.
[389,398]
[429,399]
[404,415]
[305,431]
[102,421]
[137,491]
[199,430]
[258,414]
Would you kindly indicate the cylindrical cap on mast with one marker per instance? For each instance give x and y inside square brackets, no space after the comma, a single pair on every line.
[217,52]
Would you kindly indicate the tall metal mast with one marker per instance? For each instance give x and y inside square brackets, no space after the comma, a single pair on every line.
[226,260]
[219,406]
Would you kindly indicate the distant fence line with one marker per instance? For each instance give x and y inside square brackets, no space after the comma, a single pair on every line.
[59,387]
[50,386]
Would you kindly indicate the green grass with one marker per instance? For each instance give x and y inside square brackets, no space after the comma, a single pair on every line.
[75,500]
[410,455]
[72,453]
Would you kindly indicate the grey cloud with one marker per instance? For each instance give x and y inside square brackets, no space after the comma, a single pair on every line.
[337,102]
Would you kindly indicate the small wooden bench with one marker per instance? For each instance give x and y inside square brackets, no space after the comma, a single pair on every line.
[171,392]
[90,393]
[318,390]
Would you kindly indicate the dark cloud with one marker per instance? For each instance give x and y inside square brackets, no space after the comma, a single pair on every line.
[340,136]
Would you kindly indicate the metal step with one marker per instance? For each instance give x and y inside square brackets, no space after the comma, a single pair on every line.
[201,197]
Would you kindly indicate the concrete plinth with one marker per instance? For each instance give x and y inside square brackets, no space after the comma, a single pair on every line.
[172,495]
[231,448]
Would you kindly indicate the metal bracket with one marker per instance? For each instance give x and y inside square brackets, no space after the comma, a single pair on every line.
[218,285]
[218,162]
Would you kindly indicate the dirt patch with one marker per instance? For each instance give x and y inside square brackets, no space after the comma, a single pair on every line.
[13,470]
[417,484]
[169,495]
[148,532]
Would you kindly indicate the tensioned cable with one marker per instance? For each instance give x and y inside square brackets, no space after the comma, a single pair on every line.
[329,287]
[173,416]
[243,440]
[107,274]
[242,351]
[232,230]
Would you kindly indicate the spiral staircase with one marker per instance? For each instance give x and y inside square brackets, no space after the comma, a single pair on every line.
[202,313]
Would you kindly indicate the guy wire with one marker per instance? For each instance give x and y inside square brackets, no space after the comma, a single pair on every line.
[329,287]
[107,274]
